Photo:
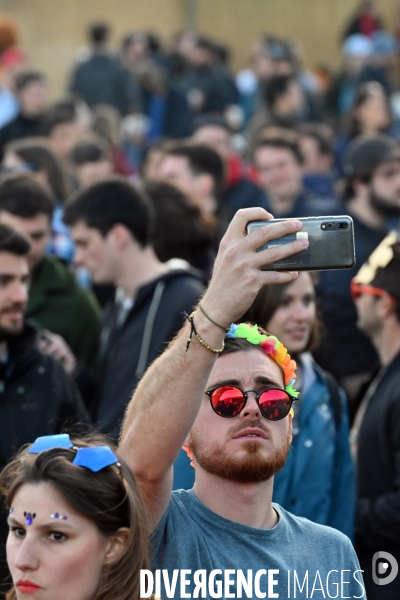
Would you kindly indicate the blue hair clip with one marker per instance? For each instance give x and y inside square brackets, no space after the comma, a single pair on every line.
[95,458]
[48,442]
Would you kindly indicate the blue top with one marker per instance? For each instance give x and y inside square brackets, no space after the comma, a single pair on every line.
[9,107]
[183,472]
[317,480]
[61,244]
[320,184]
[190,536]
[156,112]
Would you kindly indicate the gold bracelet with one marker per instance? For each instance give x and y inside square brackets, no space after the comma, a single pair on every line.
[193,330]
[211,321]
[203,343]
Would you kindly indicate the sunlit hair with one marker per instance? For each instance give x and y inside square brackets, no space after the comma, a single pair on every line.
[109,498]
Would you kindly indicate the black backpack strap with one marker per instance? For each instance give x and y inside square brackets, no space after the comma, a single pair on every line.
[335,398]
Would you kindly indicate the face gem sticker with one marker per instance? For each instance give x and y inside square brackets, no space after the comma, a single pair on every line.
[58,516]
[29,517]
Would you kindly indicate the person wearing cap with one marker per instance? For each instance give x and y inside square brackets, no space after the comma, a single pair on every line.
[372,198]
[375,435]
[224,392]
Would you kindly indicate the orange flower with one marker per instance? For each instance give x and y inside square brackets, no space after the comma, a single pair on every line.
[290,371]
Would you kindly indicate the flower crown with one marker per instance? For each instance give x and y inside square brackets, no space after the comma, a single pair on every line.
[272,347]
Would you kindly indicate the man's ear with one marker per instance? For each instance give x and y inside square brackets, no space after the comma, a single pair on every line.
[386,306]
[116,545]
[120,235]
[360,188]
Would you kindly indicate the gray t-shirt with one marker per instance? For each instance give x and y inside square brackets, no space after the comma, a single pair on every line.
[312,561]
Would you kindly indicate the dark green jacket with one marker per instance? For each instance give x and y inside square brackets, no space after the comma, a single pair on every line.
[59,304]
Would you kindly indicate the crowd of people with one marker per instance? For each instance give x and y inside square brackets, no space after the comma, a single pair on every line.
[124,264]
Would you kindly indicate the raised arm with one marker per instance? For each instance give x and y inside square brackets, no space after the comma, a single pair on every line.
[167,399]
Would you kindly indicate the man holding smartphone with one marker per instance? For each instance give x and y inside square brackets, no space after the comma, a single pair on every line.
[228,520]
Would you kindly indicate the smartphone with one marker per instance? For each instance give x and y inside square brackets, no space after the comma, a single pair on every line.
[331,244]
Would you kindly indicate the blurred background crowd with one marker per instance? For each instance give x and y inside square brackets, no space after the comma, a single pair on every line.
[113,266]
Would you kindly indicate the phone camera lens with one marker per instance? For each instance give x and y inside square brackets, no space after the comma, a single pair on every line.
[329,226]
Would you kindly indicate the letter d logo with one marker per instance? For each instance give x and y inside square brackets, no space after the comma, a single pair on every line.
[383,568]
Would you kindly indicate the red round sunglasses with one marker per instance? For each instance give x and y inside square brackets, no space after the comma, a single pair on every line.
[228,401]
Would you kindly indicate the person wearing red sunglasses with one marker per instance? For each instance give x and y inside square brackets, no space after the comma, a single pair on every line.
[225,392]
[375,435]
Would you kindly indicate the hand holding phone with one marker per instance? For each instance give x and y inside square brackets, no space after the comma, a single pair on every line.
[331,244]
[237,276]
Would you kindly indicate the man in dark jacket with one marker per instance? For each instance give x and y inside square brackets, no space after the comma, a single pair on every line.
[376,431]
[111,223]
[36,396]
[56,301]
[209,88]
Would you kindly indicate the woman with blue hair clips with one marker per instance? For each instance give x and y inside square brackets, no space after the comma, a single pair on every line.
[317,480]
[77,524]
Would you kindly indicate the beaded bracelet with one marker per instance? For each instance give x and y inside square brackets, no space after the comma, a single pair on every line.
[193,330]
